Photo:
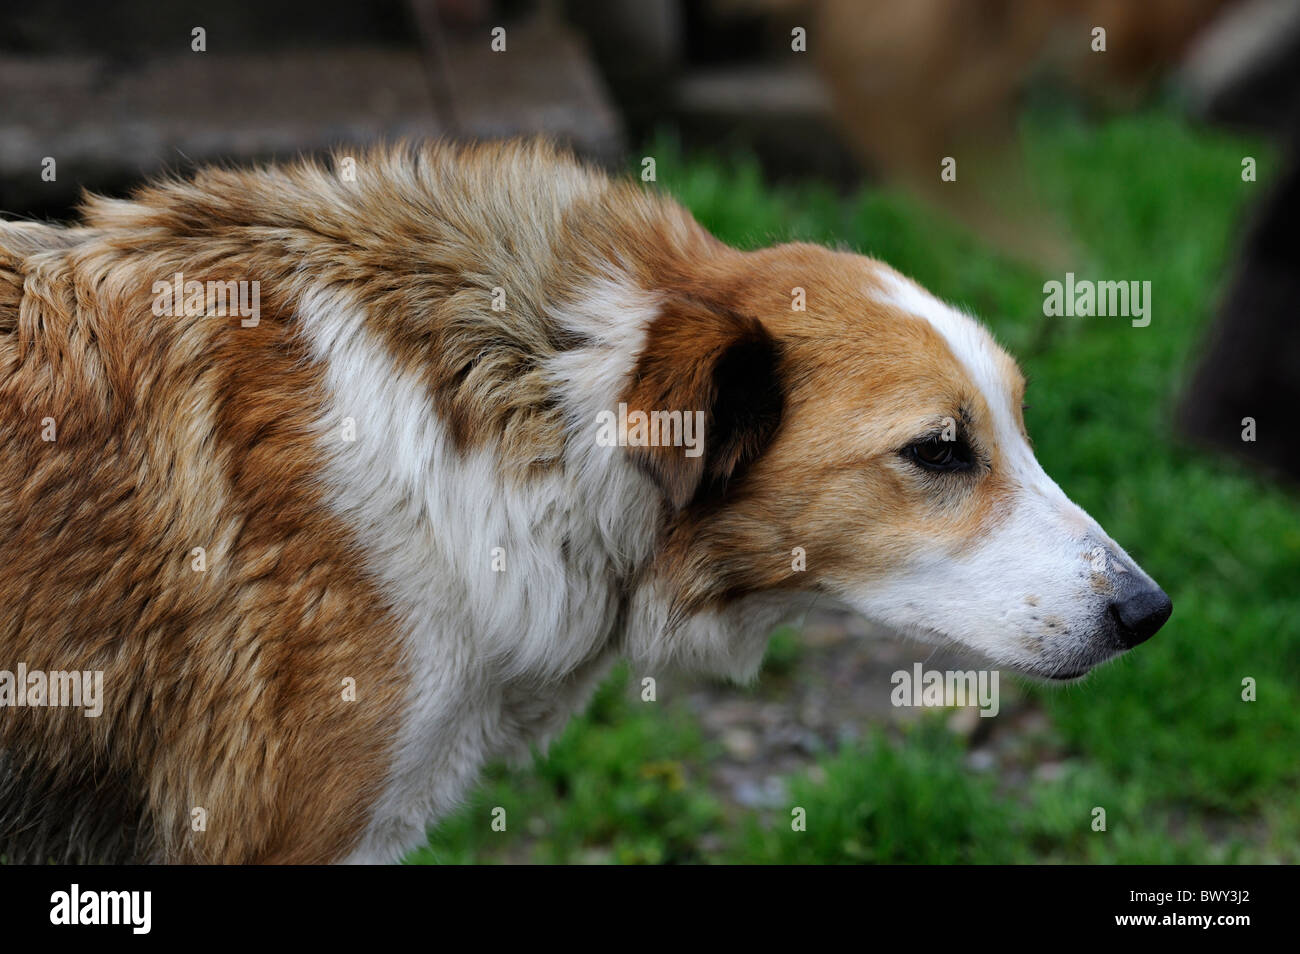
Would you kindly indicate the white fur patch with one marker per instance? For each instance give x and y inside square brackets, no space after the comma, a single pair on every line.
[973,346]
[498,656]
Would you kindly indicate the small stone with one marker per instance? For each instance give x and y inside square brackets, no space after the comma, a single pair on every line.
[740,743]
[981,760]
[964,721]
[1049,771]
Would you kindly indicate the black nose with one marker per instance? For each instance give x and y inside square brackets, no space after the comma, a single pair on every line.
[1139,614]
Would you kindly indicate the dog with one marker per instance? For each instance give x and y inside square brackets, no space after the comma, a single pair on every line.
[396,514]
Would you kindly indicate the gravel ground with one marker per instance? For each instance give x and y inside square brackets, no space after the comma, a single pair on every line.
[837,689]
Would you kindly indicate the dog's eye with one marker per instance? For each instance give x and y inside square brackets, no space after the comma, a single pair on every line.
[934,453]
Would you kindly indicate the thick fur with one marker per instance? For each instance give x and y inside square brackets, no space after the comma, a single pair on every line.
[395,477]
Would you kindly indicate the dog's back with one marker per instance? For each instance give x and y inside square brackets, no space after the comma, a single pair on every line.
[159,525]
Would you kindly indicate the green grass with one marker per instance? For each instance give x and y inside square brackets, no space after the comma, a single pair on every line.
[875,799]
[1185,770]
[620,785]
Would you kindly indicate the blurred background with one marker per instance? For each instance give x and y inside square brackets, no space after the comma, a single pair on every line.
[1119,141]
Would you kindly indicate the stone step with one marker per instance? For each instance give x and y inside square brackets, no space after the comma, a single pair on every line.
[108,125]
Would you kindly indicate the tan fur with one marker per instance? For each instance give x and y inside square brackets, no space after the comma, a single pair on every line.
[223,688]
[424,237]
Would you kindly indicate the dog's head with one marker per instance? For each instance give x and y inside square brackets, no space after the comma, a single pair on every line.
[867,441]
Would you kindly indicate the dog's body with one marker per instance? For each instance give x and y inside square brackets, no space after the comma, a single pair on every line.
[416,556]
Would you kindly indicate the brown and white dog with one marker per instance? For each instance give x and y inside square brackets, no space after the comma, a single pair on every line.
[333,558]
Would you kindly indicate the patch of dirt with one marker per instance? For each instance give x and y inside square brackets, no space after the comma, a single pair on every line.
[836,691]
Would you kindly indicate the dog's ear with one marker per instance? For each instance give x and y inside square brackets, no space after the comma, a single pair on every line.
[726,366]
